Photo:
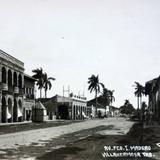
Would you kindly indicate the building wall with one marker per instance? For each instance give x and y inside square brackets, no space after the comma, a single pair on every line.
[11,88]
[153,92]
[78,108]
[29,98]
[66,107]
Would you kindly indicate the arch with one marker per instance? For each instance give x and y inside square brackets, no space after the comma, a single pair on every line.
[20,81]
[15,79]
[4,77]
[4,111]
[9,78]
[15,111]
[20,104]
[9,109]
[63,111]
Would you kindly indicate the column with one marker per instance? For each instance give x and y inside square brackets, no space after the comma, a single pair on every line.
[16,108]
[7,76]
[0,73]
[6,120]
[80,112]
[0,105]
[72,111]
[12,110]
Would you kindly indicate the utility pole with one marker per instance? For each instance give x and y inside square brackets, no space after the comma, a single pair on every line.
[67,90]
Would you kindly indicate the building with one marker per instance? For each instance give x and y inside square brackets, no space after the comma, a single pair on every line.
[101,107]
[12,82]
[152,89]
[72,107]
[29,97]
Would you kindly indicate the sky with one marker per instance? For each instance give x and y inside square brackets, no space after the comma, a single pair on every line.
[73,39]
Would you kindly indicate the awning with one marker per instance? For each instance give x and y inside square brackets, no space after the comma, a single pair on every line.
[19,112]
[84,115]
[8,114]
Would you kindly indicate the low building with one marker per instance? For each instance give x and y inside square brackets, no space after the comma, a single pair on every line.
[101,107]
[73,107]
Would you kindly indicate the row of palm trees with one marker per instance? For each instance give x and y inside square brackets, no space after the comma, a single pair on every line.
[42,80]
[95,86]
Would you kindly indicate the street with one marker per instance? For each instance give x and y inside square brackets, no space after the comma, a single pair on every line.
[35,143]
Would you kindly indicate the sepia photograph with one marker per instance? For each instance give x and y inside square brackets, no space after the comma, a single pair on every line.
[79,80]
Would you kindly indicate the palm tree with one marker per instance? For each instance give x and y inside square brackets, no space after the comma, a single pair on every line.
[47,83]
[126,102]
[139,91]
[143,108]
[39,76]
[111,97]
[105,95]
[94,85]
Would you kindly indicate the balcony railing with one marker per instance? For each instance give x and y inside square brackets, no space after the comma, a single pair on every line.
[16,90]
[29,96]
[4,87]
[21,91]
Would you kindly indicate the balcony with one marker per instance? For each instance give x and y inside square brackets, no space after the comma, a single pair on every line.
[16,90]
[21,91]
[29,96]
[4,86]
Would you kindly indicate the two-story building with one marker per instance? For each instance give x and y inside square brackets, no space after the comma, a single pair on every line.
[12,94]
[152,89]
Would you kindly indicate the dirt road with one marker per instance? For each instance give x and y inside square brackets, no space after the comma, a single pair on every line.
[40,136]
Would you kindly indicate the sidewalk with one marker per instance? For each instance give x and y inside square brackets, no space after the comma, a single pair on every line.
[6,128]
[15,123]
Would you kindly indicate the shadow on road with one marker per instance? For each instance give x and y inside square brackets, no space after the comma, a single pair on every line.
[92,147]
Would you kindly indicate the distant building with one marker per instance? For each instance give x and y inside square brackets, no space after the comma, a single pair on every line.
[102,107]
[13,102]
[152,89]
[73,107]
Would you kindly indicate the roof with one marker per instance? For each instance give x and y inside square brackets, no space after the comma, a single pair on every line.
[100,101]
[11,59]
[39,105]
[29,77]
[49,103]
[152,85]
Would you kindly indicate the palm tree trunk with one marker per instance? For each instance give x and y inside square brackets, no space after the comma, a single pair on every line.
[141,102]
[40,92]
[138,102]
[141,106]
[45,93]
[96,104]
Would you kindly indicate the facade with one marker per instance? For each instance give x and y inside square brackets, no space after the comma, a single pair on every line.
[91,107]
[78,109]
[152,89]
[29,97]
[11,89]
[103,108]
[73,107]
